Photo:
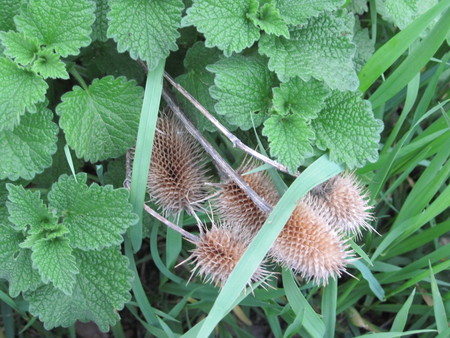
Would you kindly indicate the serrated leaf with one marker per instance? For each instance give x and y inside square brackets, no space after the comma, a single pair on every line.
[20,90]
[269,20]
[358,6]
[106,114]
[146,29]
[95,216]
[100,25]
[49,65]
[347,127]
[62,25]
[101,289]
[364,46]
[19,47]
[197,81]
[15,263]
[243,87]
[8,9]
[297,12]
[303,98]
[290,139]
[225,23]
[402,12]
[55,263]
[26,207]
[322,49]
[28,149]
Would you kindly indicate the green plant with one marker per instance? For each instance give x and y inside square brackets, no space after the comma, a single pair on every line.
[299,78]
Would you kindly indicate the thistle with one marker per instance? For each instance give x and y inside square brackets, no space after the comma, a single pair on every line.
[343,203]
[237,208]
[310,247]
[177,176]
[218,251]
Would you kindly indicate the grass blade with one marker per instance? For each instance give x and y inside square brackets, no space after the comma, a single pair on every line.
[329,300]
[438,305]
[402,316]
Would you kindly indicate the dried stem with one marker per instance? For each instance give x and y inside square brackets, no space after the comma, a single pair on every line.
[234,140]
[220,163]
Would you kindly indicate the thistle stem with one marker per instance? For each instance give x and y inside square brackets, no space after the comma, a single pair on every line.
[234,140]
[220,163]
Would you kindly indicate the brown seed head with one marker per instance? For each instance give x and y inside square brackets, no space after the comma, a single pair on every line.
[218,252]
[310,247]
[237,208]
[177,176]
[343,203]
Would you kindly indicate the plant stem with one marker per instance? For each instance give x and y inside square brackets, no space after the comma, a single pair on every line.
[78,77]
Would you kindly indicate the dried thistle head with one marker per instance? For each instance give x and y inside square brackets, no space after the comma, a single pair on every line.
[310,247]
[218,251]
[177,176]
[236,207]
[343,203]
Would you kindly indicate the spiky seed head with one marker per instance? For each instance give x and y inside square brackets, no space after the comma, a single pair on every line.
[218,251]
[343,202]
[310,247]
[236,207]
[177,176]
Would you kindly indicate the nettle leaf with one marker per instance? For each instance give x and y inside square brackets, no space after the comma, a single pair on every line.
[49,65]
[106,114]
[146,29]
[347,127]
[101,290]
[100,25]
[28,149]
[8,9]
[303,98]
[290,139]
[197,81]
[62,25]
[402,12]
[95,216]
[26,207]
[19,47]
[364,46]
[297,12]
[243,87]
[358,6]
[322,49]
[269,20]
[20,90]
[225,24]
[56,263]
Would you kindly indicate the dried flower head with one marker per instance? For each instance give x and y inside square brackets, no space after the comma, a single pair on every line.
[177,176]
[343,203]
[310,247]
[218,251]
[236,207]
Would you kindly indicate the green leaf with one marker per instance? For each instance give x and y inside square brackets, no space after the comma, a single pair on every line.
[101,289]
[289,139]
[55,262]
[402,12]
[297,12]
[100,25]
[15,263]
[26,207]
[8,9]
[347,127]
[19,47]
[62,25]
[243,87]
[322,49]
[106,114]
[20,90]
[197,81]
[225,24]
[49,65]
[95,216]
[146,29]
[364,46]
[28,149]
[358,6]
[269,20]
[303,98]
